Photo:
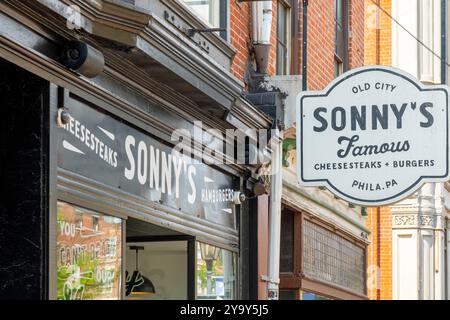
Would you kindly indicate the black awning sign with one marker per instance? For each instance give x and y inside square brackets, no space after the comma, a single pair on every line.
[99,146]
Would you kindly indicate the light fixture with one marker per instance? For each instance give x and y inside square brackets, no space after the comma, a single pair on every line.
[209,254]
[137,284]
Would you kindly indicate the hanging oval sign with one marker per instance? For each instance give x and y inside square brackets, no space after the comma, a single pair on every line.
[373,136]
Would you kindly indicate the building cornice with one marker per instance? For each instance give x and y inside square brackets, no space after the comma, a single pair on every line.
[143,30]
[186,14]
[294,196]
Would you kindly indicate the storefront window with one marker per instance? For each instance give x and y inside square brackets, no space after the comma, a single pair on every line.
[312,296]
[287,242]
[289,294]
[89,254]
[331,258]
[215,273]
[300,295]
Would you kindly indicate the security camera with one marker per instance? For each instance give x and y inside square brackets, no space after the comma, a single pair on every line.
[62,118]
[239,197]
[83,58]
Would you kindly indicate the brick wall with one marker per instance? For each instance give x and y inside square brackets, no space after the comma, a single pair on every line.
[378,34]
[240,32]
[321,35]
[321,40]
[321,44]
[378,50]
[356,37]
[379,255]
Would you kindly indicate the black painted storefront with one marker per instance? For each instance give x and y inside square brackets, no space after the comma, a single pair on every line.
[44,167]
[153,83]
[24,173]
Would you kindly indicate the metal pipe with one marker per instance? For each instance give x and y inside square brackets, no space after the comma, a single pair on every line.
[305,45]
[262,26]
[275,217]
[443,41]
[443,81]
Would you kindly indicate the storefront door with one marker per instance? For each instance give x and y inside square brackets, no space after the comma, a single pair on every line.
[135,220]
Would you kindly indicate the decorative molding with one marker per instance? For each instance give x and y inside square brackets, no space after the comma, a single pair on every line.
[414,220]
[315,201]
[184,13]
[248,115]
[49,69]
[154,37]
[85,190]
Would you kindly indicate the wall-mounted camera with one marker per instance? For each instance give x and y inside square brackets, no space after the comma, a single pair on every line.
[83,58]
[239,197]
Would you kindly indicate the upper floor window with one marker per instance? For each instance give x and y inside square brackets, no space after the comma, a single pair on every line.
[213,12]
[283,36]
[341,45]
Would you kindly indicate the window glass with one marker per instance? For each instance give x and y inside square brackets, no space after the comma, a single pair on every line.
[339,11]
[89,254]
[215,273]
[331,258]
[341,46]
[289,294]
[282,39]
[287,242]
[207,10]
[312,296]
[338,68]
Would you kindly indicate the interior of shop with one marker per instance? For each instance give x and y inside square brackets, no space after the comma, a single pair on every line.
[156,262]
[164,264]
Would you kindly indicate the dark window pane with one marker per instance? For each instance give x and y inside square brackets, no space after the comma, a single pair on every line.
[339,11]
[281,23]
[288,294]
[282,41]
[341,46]
[287,242]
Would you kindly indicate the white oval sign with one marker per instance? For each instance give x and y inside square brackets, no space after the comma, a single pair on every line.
[373,136]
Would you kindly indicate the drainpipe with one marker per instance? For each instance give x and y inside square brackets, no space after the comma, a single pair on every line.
[273,278]
[305,45]
[262,27]
[443,41]
[443,81]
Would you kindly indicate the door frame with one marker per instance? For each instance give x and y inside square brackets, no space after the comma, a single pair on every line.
[190,255]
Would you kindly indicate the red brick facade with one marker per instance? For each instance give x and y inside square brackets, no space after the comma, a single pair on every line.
[378,35]
[378,50]
[321,35]
[240,31]
[321,40]
[321,45]
[379,255]
[356,37]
